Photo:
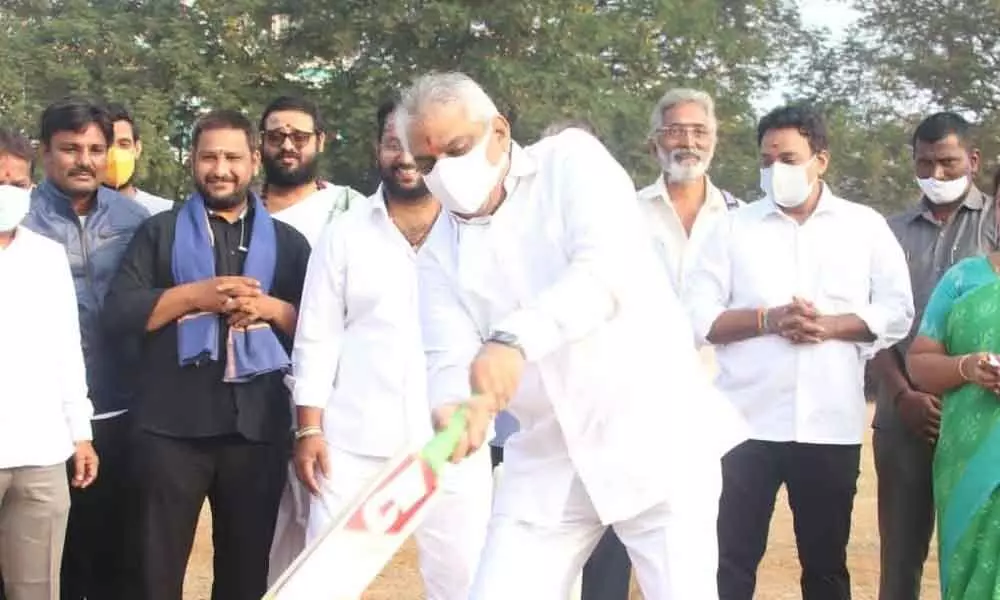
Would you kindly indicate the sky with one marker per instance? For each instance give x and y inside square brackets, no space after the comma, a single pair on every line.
[835,15]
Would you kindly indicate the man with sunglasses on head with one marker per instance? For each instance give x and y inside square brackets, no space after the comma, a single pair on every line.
[292,139]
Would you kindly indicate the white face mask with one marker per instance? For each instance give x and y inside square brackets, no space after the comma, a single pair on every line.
[786,185]
[943,192]
[463,183]
[14,204]
[676,170]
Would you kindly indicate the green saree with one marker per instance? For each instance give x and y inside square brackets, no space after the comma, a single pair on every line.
[967,458]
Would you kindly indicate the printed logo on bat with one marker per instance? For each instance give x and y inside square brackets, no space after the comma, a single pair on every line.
[393,503]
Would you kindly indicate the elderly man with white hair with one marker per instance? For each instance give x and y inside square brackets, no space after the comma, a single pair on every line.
[44,410]
[681,207]
[683,204]
[538,297]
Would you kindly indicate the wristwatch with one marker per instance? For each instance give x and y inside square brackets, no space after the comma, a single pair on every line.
[507,339]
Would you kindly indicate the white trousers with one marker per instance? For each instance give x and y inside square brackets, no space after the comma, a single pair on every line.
[449,541]
[290,526]
[674,549]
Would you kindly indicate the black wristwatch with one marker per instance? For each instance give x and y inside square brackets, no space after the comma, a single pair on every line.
[506,339]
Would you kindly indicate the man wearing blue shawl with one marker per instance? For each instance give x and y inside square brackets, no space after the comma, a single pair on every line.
[214,287]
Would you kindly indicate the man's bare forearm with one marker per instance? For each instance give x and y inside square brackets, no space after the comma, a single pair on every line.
[172,305]
[735,326]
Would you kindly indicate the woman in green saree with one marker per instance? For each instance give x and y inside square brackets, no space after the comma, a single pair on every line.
[952,358]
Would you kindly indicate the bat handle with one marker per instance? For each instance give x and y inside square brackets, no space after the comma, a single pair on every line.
[438,451]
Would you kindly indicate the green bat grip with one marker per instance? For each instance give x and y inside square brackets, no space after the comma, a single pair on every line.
[438,451]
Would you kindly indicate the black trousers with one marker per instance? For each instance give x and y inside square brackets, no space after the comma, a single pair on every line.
[821,481]
[607,572]
[243,483]
[905,510]
[99,558]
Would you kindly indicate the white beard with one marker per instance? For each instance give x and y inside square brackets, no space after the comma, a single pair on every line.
[677,172]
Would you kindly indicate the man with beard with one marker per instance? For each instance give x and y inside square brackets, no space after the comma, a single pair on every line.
[122,158]
[292,139]
[213,288]
[681,207]
[93,224]
[360,381]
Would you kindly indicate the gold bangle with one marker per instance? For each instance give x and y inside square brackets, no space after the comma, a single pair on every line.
[961,371]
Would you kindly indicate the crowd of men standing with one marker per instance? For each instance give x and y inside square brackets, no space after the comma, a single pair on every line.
[268,348]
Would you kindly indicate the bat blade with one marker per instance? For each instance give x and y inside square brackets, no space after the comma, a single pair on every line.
[342,562]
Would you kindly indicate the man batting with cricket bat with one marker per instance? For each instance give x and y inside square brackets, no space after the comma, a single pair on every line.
[541,294]
[360,392]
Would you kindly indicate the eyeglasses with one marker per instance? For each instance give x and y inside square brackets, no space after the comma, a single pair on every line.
[277,137]
[677,132]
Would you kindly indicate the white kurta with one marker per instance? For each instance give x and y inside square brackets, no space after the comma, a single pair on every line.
[677,248]
[619,424]
[309,217]
[358,356]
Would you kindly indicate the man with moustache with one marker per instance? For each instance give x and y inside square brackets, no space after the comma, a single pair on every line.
[16,158]
[122,158]
[952,220]
[93,224]
[292,139]
[213,289]
[683,204]
[360,382]
[681,207]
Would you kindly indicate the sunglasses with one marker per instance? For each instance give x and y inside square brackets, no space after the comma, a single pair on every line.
[277,137]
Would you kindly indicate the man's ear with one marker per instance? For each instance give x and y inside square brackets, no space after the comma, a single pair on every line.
[138,149]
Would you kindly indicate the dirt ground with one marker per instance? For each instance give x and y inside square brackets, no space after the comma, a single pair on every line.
[778,578]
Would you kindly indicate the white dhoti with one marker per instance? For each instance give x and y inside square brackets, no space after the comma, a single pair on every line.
[449,541]
[673,548]
[290,526]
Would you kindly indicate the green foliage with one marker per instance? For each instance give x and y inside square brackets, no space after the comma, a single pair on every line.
[542,60]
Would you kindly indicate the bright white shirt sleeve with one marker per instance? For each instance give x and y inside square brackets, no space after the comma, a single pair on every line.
[890,313]
[450,335]
[76,405]
[708,286]
[603,230]
[320,330]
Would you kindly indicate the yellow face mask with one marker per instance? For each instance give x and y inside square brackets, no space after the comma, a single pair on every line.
[120,167]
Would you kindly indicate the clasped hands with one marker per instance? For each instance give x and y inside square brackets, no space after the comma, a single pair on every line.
[800,323]
[494,376]
[238,297]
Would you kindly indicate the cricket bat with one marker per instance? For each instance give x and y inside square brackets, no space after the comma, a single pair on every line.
[346,558]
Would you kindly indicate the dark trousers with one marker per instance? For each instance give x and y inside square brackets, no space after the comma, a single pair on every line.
[607,573]
[905,510]
[99,559]
[821,481]
[243,483]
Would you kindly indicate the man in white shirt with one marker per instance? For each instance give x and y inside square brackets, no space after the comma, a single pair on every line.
[360,372]
[44,419]
[123,156]
[292,138]
[796,291]
[537,296]
[683,205]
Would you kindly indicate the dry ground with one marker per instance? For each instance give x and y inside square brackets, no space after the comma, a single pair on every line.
[778,578]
